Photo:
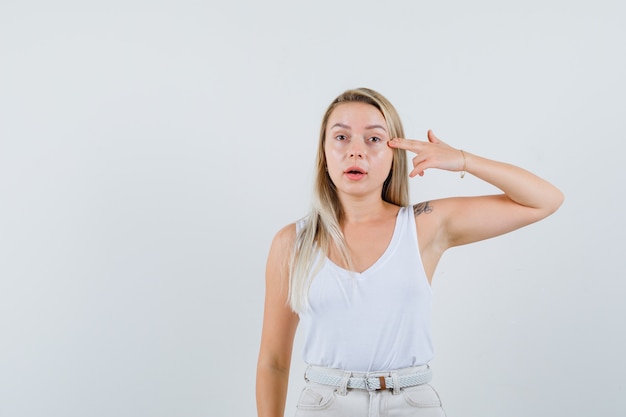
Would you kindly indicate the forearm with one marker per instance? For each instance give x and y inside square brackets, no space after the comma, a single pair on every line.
[521,186]
[271,390]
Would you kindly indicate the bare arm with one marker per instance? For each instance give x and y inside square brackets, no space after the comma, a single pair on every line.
[526,199]
[279,327]
[457,221]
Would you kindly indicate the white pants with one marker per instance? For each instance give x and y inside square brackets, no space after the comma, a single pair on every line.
[317,400]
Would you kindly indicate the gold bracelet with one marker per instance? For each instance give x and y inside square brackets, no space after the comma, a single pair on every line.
[464,163]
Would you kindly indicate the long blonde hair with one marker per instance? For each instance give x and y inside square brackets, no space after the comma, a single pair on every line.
[321,229]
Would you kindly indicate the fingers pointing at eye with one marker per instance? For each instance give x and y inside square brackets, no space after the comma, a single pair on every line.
[401,143]
[414,146]
[431,154]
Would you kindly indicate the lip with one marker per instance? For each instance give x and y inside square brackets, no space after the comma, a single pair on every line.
[354,170]
[354,173]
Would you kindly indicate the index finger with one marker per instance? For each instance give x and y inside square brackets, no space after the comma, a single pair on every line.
[406,144]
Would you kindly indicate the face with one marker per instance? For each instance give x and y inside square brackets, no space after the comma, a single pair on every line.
[357,154]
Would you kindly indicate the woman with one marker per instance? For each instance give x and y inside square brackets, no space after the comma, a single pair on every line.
[356,272]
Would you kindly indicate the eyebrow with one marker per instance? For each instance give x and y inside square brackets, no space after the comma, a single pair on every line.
[369,127]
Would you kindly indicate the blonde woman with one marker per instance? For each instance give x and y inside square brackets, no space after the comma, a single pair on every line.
[356,272]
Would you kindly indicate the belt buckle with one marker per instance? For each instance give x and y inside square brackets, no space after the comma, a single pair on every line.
[381,384]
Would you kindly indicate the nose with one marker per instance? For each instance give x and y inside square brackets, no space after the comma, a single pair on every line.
[355,151]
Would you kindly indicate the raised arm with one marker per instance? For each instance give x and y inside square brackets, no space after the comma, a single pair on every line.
[279,327]
[526,198]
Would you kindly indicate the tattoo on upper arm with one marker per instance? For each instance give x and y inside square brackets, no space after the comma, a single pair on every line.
[422,208]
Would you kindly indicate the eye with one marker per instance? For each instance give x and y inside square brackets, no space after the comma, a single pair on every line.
[341,137]
[375,139]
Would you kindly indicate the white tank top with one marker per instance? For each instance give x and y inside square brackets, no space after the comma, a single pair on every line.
[377,320]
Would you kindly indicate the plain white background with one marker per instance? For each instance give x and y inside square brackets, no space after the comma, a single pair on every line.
[150,150]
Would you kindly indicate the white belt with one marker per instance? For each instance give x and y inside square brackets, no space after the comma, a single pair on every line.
[372,383]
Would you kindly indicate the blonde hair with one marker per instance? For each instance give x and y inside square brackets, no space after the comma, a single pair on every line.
[321,229]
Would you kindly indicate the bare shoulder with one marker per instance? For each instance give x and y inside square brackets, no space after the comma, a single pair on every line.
[421,208]
[429,217]
[282,246]
[285,237]
[439,208]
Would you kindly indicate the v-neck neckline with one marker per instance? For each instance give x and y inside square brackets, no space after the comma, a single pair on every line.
[382,258]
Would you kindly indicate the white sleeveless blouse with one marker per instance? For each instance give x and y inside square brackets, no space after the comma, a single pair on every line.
[377,320]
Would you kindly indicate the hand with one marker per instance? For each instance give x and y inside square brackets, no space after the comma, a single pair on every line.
[431,154]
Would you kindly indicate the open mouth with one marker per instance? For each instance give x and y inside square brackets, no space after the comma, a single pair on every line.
[354,173]
[354,170]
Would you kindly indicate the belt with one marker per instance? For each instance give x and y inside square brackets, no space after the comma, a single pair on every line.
[371,383]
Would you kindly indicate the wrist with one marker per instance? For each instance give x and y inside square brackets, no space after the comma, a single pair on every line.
[464,164]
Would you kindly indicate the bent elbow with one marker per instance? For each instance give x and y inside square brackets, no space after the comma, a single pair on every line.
[558,200]
[553,202]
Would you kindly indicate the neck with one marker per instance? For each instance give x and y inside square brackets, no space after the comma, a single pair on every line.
[361,210]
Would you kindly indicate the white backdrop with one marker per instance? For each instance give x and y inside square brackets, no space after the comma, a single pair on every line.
[150,150]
